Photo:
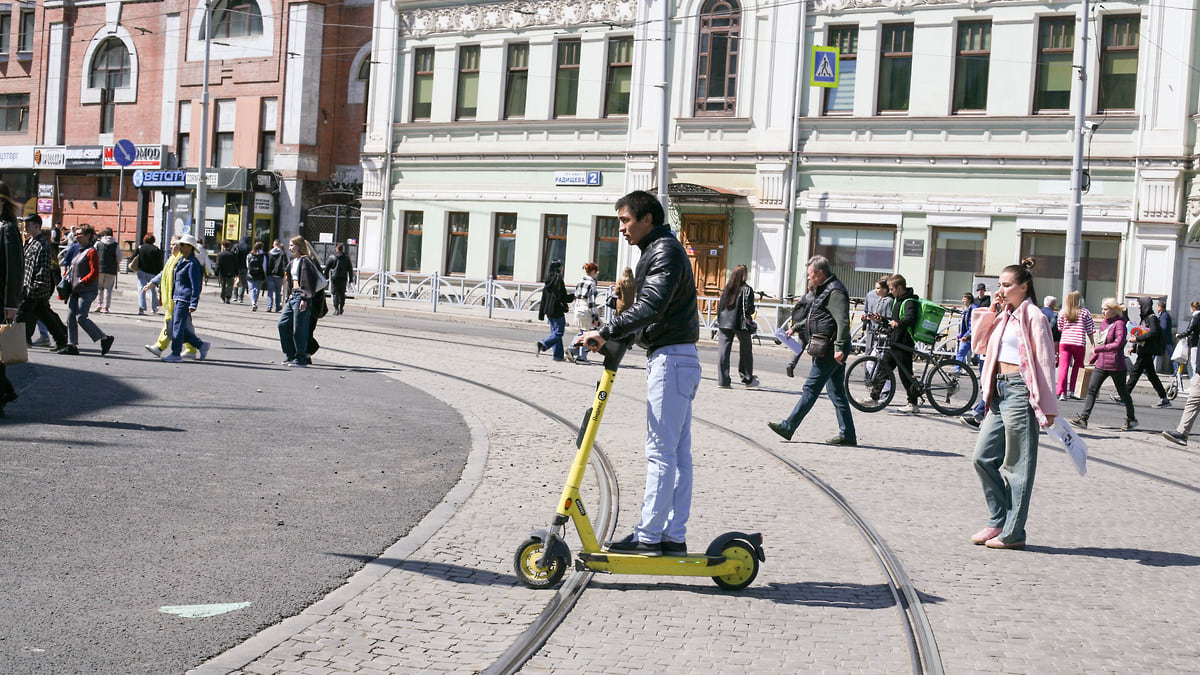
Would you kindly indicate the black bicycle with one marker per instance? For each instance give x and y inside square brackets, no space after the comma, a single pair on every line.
[949,385]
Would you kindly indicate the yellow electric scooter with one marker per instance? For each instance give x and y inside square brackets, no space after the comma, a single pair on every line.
[731,559]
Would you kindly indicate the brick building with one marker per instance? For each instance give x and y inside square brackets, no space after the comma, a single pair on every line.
[286,110]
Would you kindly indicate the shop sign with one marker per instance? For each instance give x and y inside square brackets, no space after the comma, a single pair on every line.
[220,180]
[45,189]
[83,156]
[585,178]
[914,248]
[264,203]
[45,205]
[144,157]
[16,157]
[52,157]
[159,179]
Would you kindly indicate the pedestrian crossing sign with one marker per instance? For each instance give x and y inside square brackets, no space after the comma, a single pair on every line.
[824,71]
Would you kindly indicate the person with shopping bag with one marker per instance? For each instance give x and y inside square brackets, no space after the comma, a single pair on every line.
[12,273]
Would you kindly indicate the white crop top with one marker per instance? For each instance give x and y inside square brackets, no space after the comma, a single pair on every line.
[1010,343]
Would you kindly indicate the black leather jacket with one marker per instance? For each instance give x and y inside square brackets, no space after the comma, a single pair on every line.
[665,311]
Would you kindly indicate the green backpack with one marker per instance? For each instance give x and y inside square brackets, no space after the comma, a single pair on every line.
[929,320]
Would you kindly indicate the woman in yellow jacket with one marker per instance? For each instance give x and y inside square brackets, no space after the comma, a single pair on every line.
[164,281]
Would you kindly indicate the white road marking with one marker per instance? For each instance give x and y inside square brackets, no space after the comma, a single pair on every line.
[202,611]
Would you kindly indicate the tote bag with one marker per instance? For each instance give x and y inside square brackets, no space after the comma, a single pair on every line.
[12,344]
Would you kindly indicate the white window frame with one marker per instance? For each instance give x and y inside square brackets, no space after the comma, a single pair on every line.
[89,94]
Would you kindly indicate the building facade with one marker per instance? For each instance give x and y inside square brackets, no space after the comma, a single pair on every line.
[507,130]
[285,89]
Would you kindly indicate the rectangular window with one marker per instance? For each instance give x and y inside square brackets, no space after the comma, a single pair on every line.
[895,68]
[1119,62]
[456,247]
[841,98]
[607,244]
[183,144]
[957,259]
[5,31]
[467,98]
[859,255]
[1099,264]
[14,111]
[517,83]
[566,78]
[717,60]
[104,187]
[25,34]
[1056,49]
[505,245]
[413,224]
[108,110]
[971,66]
[554,246]
[226,119]
[620,76]
[422,105]
[267,137]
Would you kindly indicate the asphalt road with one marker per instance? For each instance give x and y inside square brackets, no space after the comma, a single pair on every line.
[129,485]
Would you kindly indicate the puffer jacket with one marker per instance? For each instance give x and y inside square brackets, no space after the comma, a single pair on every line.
[664,312]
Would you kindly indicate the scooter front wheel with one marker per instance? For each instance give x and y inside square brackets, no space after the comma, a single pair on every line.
[526,567]
[741,552]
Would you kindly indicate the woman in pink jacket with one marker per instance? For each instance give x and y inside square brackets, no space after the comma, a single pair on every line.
[1018,373]
[1109,358]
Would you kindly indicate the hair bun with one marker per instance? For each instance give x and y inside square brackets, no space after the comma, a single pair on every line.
[1028,263]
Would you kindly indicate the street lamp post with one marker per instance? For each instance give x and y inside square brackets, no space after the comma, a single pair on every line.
[1075,213]
[201,179]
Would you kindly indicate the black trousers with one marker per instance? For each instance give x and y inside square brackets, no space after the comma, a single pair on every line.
[745,355]
[337,288]
[32,311]
[1118,379]
[1145,364]
[891,358]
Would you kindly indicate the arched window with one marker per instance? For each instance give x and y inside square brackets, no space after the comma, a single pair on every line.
[716,64]
[110,65]
[235,18]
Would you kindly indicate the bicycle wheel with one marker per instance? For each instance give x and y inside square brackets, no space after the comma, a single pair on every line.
[862,391]
[1172,390]
[951,387]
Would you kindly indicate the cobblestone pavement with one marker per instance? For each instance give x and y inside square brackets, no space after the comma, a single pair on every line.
[1106,585]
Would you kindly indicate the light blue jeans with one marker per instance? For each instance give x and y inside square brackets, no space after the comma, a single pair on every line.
[1006,457]
[672,377]
[256,287]
[143,279]
[274,286]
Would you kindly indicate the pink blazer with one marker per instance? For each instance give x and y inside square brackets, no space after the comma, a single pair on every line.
[1037,354]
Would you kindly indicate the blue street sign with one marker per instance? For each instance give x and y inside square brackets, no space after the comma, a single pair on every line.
[124,152]
[824,71]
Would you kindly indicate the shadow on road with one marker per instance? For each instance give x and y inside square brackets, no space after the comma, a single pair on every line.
[1143,557]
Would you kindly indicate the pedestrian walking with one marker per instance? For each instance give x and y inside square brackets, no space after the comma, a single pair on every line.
[1165,322]
[107,255]
[277,262]
[84,275]
[39,283]
[1192,335]
[587,313]
[187,283]
[735,319]
[827,334]
[256,273]
[982,299]
[242,249]
[1147,340]
[964,329]
[1109,357]
[626,290]
[665,319]
[553,308]
[1180,435]
[227,270]
[877,303]
[796,327]
[164,281]
[339,269]
[1076,328]
[905,312]
[294,322]
[1019,373]
[12,276]
[150,264]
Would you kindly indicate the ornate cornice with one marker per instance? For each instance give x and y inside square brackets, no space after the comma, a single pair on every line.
[516,15]
[830,6]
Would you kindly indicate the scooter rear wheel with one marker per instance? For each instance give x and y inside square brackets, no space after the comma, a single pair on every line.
[743,553]
[525,565]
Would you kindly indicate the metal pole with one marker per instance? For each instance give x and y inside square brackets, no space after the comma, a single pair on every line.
[666,104]
[201,179]
[120,209]
[794,173]
[1075,214]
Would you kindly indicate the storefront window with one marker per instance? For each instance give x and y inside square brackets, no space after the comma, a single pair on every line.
[1099,264]
[859,255]
[957,259]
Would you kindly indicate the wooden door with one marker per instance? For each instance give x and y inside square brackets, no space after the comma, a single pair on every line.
[704,237]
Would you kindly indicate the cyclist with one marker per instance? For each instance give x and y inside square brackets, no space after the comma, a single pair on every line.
[905,311]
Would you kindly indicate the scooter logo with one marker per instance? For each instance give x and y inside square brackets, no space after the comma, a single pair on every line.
[603,396]
[579,505]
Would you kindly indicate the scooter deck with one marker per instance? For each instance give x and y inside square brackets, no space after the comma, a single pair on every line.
[628,563]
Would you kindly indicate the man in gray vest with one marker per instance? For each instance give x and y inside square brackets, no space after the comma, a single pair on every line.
[827,333]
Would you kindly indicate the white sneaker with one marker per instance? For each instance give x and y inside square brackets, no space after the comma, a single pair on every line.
[911,409]
[172,358]
[153,350]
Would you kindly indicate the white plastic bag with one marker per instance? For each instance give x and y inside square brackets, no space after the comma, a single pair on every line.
[1062,434]
[1180,355]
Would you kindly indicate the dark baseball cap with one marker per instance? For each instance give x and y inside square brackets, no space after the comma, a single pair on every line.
[31,218]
